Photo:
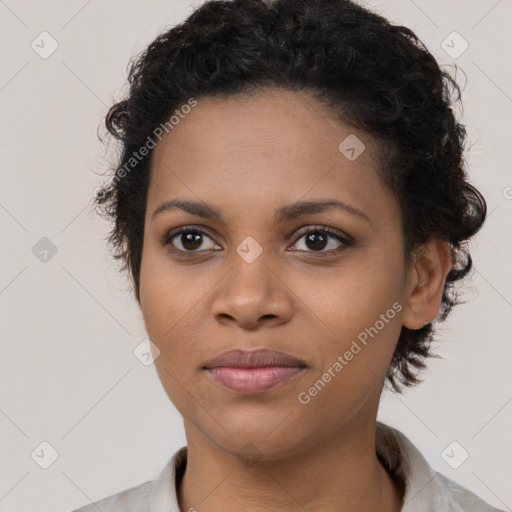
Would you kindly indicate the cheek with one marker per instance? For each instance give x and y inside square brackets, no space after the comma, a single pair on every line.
[355,296]
[354,360]
[360,315]
[167,295]
[172,304]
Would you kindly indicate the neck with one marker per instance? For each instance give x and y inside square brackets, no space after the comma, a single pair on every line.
[341,473]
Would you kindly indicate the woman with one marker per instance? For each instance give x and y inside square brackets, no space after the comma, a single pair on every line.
[292,206]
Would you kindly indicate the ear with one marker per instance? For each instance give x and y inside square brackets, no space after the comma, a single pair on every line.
[426,279]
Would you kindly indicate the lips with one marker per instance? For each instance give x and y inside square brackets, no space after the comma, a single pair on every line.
[255,371]
[254,359]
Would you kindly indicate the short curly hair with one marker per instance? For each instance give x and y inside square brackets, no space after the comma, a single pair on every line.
[371,74]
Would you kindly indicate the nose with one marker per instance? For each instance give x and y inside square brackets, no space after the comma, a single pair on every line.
[252,295]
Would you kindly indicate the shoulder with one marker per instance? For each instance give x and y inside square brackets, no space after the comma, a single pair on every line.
[460,498]
[151,496]
[425,488]
[134,499]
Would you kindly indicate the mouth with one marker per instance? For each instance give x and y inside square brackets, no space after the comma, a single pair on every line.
[256,371]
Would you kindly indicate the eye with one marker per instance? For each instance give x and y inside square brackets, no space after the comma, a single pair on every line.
[189,239]
[318,238]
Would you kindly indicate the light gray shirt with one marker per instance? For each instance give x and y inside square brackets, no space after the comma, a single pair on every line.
[425,489]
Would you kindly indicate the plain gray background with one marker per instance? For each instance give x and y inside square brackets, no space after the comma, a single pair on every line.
[69,326]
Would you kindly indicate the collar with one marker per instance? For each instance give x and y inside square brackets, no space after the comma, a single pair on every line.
[422,490]
[407,463]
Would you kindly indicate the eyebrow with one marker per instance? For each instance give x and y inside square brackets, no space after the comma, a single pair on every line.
[285,213]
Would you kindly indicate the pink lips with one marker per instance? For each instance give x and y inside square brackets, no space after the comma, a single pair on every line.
[254,371]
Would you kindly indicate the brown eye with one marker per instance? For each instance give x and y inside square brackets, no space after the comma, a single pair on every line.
[316,240]
[189,240]
[321,240]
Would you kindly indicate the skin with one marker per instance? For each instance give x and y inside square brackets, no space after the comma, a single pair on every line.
[247,156]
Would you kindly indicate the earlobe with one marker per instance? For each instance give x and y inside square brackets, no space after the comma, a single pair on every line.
[427,277]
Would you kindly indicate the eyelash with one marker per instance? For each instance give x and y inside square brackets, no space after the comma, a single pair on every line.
[345,241]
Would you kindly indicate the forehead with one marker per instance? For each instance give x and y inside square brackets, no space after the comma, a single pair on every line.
[273,147]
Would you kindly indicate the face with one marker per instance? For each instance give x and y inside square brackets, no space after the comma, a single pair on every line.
[324,285]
